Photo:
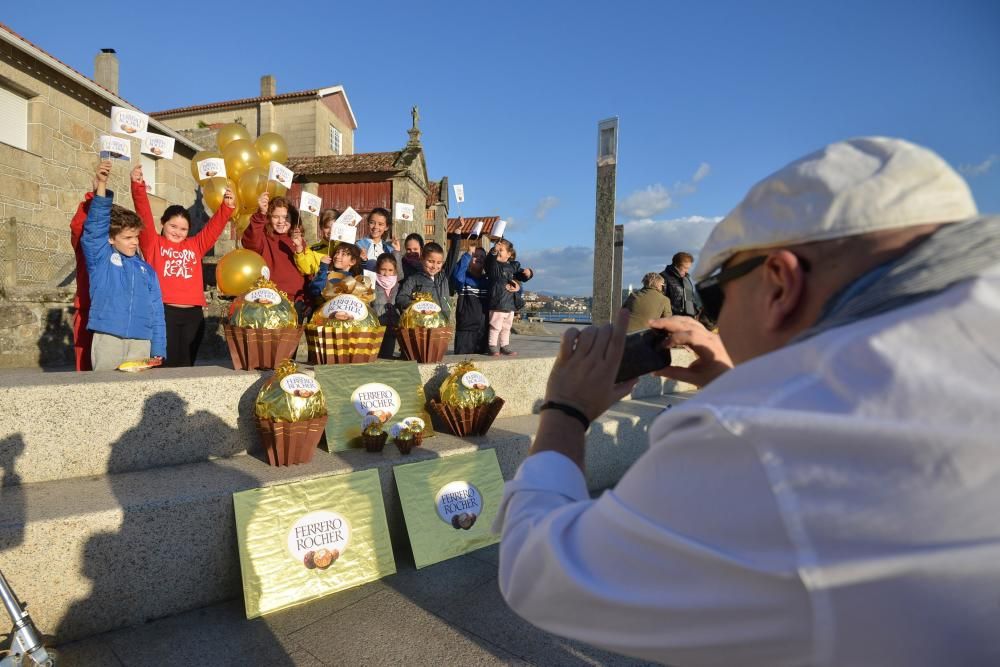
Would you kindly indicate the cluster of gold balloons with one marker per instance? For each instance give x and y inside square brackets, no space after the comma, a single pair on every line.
[247,163]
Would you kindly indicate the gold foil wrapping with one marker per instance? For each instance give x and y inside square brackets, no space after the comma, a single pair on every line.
[419,315]
[466,387]
[264,307]
[290,396]
[356,296]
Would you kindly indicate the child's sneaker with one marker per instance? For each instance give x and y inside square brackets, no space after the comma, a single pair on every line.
[493,351]
[505,350]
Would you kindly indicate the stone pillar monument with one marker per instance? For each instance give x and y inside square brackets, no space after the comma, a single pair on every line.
[617,270]
[604,225]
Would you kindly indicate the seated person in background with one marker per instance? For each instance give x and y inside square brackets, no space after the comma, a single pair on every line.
[649,303]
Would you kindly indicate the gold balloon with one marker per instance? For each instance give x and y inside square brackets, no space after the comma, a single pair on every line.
[252,184]
[271,146]
[240,223]
[237,271]
[230,133]
[276,189]
[214,190]
[198,157]
[240,157]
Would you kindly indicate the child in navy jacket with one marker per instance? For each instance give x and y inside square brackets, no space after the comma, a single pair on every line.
[126,308]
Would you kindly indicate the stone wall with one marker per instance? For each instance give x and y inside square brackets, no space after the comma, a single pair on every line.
[247,116]
[304,124]
[40,187]
[36,327]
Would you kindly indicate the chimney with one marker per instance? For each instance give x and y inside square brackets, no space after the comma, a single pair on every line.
[106,69]
[268,86]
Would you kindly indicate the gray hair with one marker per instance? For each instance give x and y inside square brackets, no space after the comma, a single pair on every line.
[654,280]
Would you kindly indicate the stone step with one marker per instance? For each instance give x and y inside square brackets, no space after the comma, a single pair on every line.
[67,425]
[93,554]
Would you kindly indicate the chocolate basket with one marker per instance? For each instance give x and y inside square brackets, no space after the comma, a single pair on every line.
[290,443]
[424,346]
[336,346]
[251,349]
[468,421]
[374,443]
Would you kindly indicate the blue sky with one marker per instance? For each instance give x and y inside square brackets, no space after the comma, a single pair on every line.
[712,96]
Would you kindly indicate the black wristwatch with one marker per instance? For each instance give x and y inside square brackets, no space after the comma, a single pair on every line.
[567,410]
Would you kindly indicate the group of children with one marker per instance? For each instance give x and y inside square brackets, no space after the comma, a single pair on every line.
[488,285]
[150,305]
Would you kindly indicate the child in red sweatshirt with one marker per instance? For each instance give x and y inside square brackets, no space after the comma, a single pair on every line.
[176,259]
[82,336]
[268,235]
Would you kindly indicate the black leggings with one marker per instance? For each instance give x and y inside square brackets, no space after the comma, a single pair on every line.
[185,329]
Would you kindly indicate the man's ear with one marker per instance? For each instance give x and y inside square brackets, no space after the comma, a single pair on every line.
[784,284]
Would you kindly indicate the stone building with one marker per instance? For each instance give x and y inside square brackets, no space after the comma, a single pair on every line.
[313,122]
[366,181]
[50,119]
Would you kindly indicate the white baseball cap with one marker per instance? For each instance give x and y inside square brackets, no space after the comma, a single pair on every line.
[851,187]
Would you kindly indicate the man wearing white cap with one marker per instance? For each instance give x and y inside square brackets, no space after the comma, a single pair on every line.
[832,495]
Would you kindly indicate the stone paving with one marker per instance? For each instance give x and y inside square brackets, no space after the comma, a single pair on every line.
[449,613]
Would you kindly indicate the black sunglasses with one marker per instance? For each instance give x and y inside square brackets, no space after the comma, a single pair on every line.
[710,289]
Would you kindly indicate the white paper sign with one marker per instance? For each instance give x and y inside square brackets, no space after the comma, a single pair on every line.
[115,147]
[459,193]
[349,217]
[128,122]
[477,230]
[310,203]
[280,173]
[404,212]
[158,145]
[211,167]
[499,228]
[343,233]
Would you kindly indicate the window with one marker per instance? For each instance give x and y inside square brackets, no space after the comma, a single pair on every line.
[13,119]
[336,141]
[149,173]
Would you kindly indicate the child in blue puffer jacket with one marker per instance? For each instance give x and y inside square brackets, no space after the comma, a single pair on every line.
[126,311]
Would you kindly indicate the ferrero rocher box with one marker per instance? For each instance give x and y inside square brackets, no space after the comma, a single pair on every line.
[389,390]
[304,540]
[449,504]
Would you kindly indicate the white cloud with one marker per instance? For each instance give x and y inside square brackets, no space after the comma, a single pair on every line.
[701,172]
[649,245]
[655,199]
[545,205]
[973,170]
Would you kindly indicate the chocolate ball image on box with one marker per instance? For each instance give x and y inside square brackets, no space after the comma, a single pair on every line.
[454,522]
[465,520]
[309,560]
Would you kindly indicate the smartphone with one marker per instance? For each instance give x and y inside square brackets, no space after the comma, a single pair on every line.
[645,351]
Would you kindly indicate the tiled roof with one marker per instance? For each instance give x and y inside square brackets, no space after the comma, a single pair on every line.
[359,163]
[465,225]
[246,101]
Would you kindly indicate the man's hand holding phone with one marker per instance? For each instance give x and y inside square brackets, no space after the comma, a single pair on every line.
[712,361]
